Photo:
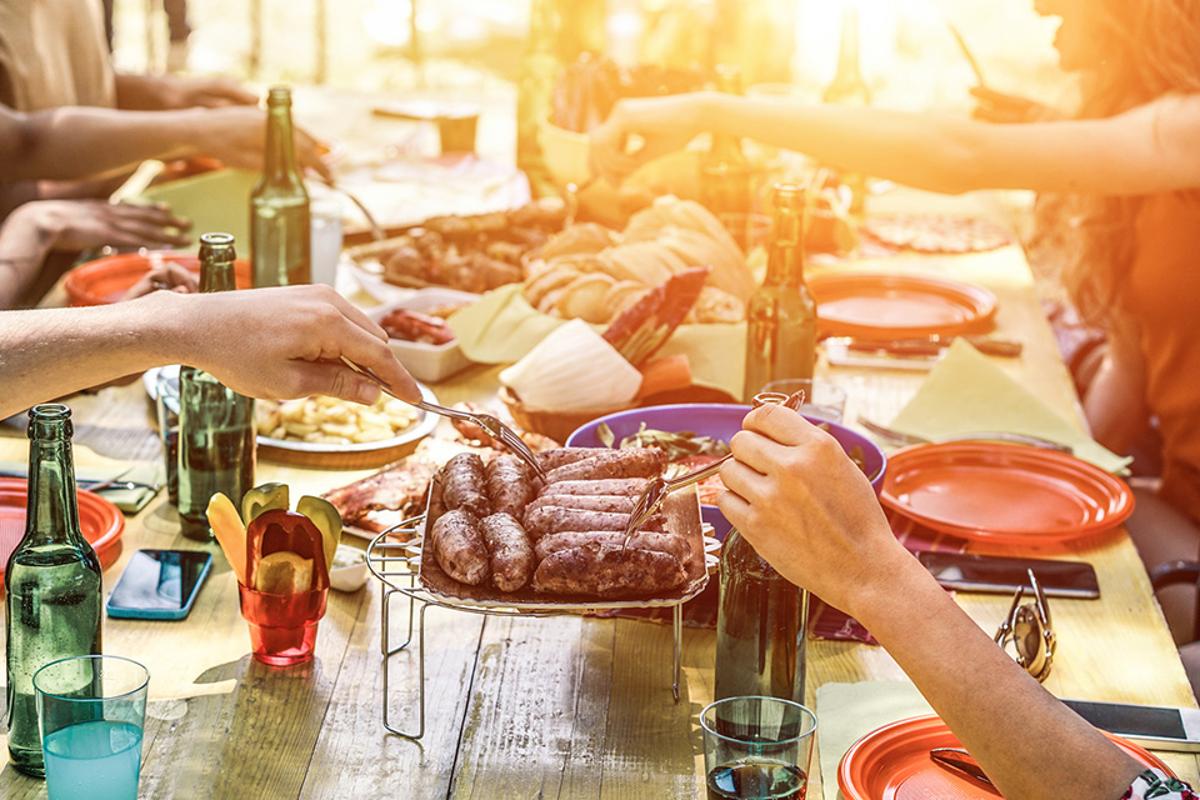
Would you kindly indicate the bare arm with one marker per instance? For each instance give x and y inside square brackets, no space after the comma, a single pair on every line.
[72,142]
[809,511]
[271,343]
[1148,149]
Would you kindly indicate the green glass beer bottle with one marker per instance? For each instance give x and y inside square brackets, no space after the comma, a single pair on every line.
[52,582]
[781,317]
[216,424]
[280,247]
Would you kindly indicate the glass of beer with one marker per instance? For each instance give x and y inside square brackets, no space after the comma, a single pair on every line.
[757,748]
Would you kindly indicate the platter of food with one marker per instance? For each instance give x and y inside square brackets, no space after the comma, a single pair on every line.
[325,431]
[468,253]
[420,336]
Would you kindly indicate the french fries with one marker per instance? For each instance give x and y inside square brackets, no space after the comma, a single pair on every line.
[328,420]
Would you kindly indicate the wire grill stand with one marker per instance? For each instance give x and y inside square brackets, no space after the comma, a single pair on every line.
[396,566]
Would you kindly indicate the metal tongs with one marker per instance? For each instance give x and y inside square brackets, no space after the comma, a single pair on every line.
[652,500]
[490,424]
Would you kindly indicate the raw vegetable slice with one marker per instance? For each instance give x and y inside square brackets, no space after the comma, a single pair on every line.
[264,498]
[230,532]
[326,518]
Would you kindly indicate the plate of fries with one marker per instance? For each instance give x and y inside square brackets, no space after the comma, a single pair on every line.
[310,430]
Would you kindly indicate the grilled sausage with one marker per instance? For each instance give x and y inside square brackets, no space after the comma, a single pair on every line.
[552,519]
[624,487]
[632,463]
[463,485]
[670,543]
[611,503]
[509,485]
[553,459]
[459,547]
[608,572]
[512,559]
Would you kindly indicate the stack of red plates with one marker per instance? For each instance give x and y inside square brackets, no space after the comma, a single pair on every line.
[99,520]
[883,306]
[893,762]
[1004,493]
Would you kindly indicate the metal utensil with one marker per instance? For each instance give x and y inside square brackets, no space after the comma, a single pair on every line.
[651,500]
[966,51]
[377,232]
[962,763]
[114,484]
[490,424]
[927,346]
[902,438]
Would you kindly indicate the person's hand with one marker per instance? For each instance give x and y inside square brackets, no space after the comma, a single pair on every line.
[169,276]
[84,224]
[993,106]
[656,126]
[807,508]
[205,91]
[286,342]
[237,137]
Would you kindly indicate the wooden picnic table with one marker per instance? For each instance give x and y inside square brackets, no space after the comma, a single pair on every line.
[561,707]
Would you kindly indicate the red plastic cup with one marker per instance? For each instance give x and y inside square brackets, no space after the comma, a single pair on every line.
[283,627]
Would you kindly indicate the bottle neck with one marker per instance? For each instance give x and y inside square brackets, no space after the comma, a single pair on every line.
[217,276]
[785,262]
[280,166]
[52,514]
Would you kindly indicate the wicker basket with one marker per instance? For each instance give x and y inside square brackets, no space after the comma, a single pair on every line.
[555,424]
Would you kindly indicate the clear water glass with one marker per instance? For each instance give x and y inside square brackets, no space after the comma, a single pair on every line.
[757,748]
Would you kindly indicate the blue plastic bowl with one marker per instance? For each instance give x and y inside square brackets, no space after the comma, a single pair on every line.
[720,421]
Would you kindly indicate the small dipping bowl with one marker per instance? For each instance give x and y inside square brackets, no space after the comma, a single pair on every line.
[349,570]
[283,627]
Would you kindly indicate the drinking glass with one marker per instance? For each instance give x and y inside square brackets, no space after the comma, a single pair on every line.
[283,627]
[822,399]
[167,405]
[757,748]
[92,710]
[325,217]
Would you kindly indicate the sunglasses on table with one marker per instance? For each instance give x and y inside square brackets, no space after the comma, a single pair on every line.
[1027,627]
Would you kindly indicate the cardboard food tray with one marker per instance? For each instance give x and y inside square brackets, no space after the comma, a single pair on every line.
[683,516]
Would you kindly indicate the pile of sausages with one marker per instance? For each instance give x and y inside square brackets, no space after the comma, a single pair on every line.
[500,524]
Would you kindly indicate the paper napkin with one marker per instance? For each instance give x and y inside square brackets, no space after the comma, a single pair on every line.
[967,393]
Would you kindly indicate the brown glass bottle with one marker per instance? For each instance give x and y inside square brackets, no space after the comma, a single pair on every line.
[761,627]
[848,88]
[781,318]
[726,179]
[280,225]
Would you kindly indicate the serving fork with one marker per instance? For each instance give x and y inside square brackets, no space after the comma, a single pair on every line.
[492,426]
[652,499]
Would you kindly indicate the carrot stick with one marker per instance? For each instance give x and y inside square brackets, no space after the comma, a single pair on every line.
[665,374]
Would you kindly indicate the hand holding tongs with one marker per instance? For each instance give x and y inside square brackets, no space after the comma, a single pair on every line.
[652,500]
[491,425]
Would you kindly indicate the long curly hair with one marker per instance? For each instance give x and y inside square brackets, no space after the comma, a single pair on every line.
[1145,49]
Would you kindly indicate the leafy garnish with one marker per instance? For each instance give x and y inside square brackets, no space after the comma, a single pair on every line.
[605,434]
[677,445]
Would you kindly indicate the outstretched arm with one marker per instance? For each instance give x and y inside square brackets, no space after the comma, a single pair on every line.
[73,142]
[271,343]
[809,511]
[1147,149]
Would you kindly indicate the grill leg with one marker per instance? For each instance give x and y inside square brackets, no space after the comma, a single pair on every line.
[677,625]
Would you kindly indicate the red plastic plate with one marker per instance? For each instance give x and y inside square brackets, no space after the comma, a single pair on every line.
[892,763]
[1004,493]
[106,280]
[99,520]
[897,306]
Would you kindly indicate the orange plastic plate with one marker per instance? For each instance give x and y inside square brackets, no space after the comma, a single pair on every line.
[105,280]
[897,306]
[1004,493]
[892,763]
[99,520]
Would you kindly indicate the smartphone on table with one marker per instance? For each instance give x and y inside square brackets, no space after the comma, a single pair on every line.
[159,584]
[1153,727]
[995,575]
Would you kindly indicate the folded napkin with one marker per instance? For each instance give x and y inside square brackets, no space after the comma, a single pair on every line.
[846,712]
[502,327]
[968,393]
[213,201]
[89,465]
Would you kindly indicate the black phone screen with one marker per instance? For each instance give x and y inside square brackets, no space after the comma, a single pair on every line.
[1006,575]
[160,580]
[1163,723]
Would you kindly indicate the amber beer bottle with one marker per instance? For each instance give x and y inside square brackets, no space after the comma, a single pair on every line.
[781,331]
[216,424]
[52,582]
[280,229]
[761,626]
[848,88]
[726,185]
